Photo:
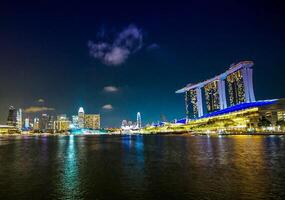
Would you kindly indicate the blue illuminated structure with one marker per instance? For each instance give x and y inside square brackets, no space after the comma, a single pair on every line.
[181,121]
[86,131]
[235,108]
[239,107]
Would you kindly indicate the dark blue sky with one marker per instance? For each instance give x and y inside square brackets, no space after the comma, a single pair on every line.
[44,54]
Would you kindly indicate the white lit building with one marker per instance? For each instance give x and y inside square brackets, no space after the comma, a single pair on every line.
[19,119]
[27,123]
[81,117]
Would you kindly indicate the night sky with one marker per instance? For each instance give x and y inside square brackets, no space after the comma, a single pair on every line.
[118,59]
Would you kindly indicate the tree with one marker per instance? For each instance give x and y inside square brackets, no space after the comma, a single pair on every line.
[263,122]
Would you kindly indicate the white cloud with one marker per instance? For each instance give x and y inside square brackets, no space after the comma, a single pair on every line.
[110,89]
[34,109]
[107,107]
[125,43]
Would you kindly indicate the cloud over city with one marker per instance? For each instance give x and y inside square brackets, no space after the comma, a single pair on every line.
[110,89]
[119,49]
[107,107]
[35,109]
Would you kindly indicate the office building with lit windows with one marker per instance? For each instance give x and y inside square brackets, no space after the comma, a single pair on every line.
[212,96]
[81,117]
[11,119]
[92,121]
[62,123]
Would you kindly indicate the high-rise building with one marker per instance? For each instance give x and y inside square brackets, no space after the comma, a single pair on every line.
[212,96]
[19,119]
[62,123]
[236,88]
[124,123]
[50,126]
[238,81]
[92,121]
[27,123]
[139,120]
[191,101]
[11,119]
[81,117]
[36,125]
[43,123]
[75,121]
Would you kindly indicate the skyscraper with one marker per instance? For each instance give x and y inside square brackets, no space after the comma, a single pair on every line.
[75,121]
[43,123]
[236,88]
[27,123]
[212,96]
[19,119]
[191,101]
[36,125]
[11,119]
[139,120]
[50,126]
[81,117]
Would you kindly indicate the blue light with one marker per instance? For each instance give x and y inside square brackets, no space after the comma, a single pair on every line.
[239,107]
[181,121]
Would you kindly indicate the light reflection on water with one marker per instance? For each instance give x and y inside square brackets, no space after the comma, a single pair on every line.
[69,183]
[142,167]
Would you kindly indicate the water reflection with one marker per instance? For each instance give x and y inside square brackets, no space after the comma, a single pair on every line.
[69,186]
[142,167]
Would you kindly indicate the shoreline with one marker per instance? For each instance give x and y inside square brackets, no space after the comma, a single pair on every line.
[184,133]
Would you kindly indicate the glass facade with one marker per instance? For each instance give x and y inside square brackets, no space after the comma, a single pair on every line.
[191,104]
[236,88]
[212,96]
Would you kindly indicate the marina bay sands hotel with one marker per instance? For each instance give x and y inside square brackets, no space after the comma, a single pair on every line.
[230,88]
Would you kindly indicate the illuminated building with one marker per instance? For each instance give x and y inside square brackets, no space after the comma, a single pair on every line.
[36,125]
[43,122]
[124,123]
[238,79]
[139,120]
[92,121]
[236,88]
[254,116]
[61,124]
[6,129]
[61,117]
[81,117]
[27,123]
[19,119]
[75,121]
[11,119]
[281,116]
[267,116]
[193,101]
[212,96]
[50,126]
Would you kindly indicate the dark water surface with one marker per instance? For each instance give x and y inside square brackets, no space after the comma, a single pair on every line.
[142,167]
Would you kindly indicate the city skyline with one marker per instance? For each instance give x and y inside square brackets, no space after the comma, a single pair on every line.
[58,62]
